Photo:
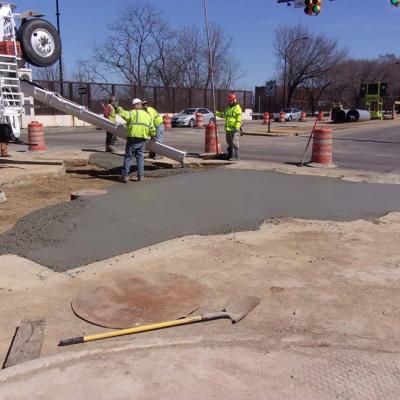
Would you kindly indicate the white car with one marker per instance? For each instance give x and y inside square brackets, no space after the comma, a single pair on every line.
[187,117]
[291,114]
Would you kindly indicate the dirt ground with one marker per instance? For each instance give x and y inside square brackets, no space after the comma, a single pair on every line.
[327,326]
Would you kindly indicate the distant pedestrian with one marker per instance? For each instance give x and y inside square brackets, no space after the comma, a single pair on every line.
[158,125]
[110,114]
[233,124]
[139,129]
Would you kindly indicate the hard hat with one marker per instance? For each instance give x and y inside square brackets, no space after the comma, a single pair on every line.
[231,97]
[136,101]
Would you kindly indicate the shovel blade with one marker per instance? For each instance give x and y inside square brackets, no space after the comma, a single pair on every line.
[239,307]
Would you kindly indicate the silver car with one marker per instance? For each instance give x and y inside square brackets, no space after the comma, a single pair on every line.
[291,114]
[187,117]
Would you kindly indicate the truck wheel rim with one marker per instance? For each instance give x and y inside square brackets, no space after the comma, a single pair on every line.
[42,42]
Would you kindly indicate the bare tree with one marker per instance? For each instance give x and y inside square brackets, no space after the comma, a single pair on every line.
[50,74]
[142,49]
[307,56]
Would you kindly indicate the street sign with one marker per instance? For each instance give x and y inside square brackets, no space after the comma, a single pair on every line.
[82,90]
[270,88]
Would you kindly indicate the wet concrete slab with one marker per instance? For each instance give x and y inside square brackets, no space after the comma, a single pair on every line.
[134,216]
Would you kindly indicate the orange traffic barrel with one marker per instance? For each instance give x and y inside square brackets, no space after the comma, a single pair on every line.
[303,117]
[36,136]
[266,118]
[282,116]
[199,120]
[212,144]
[322,149]
[320,116]
[167,121]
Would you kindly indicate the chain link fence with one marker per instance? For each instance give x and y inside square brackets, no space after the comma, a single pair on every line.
[165,100]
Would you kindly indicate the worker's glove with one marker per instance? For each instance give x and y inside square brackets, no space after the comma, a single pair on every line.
[114,103]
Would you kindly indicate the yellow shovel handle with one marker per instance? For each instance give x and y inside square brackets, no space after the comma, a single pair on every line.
[143,328]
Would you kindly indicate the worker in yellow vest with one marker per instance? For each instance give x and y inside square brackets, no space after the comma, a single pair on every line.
[158,124]
[139,129]
[233,124]
[110,114]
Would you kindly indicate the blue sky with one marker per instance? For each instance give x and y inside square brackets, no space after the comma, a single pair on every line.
[366,27]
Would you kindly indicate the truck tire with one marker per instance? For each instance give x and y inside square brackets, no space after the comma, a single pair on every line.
[40,42]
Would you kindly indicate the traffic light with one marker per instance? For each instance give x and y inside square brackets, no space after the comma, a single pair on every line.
[313,7]
[395,3]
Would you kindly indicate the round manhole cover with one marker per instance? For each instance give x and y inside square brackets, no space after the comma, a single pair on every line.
[140,299]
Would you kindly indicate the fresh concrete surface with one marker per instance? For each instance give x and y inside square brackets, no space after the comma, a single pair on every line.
[327,327]
[134,216]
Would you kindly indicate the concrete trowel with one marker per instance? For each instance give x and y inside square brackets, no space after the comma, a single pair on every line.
[235,310]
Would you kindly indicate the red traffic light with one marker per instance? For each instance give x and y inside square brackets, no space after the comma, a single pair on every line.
[314,6]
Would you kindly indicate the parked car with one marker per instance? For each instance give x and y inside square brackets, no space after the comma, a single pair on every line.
[187,117]
[291,114]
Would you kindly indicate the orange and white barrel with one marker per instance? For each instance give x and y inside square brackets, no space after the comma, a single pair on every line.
[212,144]
[322,150]
[167,122]
[320,116]
[36,136]
[266,118]
[282,116]
[199,120]
[303,117]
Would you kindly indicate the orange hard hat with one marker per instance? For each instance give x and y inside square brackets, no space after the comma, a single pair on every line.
[231,97]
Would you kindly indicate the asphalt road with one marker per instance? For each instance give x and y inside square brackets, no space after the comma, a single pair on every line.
[374,149]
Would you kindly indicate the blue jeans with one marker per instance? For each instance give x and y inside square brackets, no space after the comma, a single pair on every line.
[134,148]
[160,133]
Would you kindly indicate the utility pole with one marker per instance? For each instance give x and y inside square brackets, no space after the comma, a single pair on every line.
[60,66]
[211,68]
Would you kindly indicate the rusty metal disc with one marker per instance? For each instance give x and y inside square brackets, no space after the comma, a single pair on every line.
[134,300]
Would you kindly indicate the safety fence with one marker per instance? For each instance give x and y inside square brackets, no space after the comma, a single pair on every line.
[165,100]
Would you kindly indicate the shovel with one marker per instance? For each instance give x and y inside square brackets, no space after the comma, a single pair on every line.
[235,310]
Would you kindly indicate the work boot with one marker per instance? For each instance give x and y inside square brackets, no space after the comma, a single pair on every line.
[229,153]
[139,178]
[152,155]
[235,156]
[125,179]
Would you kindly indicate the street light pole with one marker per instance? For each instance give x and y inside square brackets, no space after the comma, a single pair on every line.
[60,66]
[284,81]
[211,68]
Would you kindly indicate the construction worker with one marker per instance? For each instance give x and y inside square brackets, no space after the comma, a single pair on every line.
[139,129]
[233,124]
[109,113]
[158,124]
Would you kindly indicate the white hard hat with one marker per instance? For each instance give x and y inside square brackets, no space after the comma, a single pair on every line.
[136,101]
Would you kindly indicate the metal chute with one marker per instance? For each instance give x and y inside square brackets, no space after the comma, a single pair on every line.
[60,103]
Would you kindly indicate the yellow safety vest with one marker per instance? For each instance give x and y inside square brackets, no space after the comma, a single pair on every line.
[233,117]
[139,124]
[157,118]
